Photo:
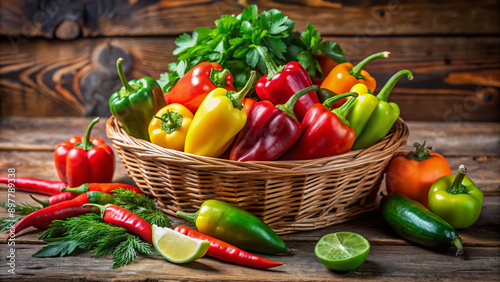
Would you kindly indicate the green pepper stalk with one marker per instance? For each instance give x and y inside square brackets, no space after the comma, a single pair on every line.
[235,226]
[135,104]
[456,199]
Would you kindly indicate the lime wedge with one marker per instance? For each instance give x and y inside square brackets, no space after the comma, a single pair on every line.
[177,247]
[342,251]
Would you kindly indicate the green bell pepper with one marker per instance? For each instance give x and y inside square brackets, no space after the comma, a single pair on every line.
[456,199]
[135,104]
[235,226]
[371,116]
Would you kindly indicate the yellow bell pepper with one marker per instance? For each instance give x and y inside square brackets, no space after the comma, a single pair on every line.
[169,126]
[217,121]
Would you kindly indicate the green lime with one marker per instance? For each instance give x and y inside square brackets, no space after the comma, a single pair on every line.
[177,247]
[342,251]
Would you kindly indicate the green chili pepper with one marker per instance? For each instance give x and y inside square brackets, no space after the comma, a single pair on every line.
[372,117]
[235,226]
[456,199]
[135,104]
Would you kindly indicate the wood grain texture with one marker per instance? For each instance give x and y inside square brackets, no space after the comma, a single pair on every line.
[456,78]
[65,19]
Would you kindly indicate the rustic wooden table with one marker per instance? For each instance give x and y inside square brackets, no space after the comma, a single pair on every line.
[26,144]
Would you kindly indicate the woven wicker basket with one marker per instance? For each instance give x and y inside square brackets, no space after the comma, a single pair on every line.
[288,196]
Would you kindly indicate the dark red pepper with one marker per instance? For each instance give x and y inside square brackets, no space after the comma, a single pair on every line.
[226,252]
[61,210]
[282,82]
[84,160]
[101,187]
[57,198]
[34,185]
[114,214]
[269,131]
[194,86]
[325,133]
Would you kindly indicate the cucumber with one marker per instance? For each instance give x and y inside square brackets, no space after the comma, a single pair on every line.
[412,221]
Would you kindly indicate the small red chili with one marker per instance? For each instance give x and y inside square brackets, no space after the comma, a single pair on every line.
[224,251]
[114,214]
[35,185]
[61,210]
[57,198]
[101,187]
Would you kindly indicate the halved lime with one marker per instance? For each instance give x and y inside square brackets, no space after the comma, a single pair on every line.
[177,247]
[342,251]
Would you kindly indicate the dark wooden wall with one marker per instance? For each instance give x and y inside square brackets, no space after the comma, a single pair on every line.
[57,57]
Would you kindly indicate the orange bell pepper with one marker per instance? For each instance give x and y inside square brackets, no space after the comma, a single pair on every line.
[344,76]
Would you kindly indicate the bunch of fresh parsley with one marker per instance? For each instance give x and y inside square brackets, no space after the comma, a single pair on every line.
[228,43]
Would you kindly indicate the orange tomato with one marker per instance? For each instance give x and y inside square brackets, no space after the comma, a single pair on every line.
[412,173]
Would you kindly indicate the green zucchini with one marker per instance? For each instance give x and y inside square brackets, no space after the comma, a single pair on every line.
[412,221]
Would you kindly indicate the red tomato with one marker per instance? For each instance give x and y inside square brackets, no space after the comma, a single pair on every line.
[412,173]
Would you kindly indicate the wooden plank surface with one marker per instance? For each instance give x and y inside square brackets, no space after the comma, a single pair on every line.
[26,144]
[70,19]
[456,78]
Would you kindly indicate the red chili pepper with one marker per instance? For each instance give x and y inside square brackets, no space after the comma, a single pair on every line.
[269,131]
[101,187]
[34,185]
[84,160]
[325,133]
[194,86]
[62,210]
[57,198]
[282,82]
[226,252]
[114,214]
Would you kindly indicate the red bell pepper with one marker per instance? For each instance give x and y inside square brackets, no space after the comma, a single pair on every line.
[84,160]
[325,133]
[194,86]
[269,131]
[248,104]
[282,82]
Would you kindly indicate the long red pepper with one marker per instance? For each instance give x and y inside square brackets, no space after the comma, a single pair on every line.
[61,210]
[57,198]
[35,185]
[101,187]
[114,214]
[224,251]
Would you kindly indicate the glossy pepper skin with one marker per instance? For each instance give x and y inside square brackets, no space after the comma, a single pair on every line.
[324,133]
[116,215]
[57,198]
[194,86]
[218,120]
[34,185]
[235,226]
[456,199]
[282,82]
[85,159]
[62,210]
[412,173]
[169,126]
[372,117]
[135,104]
[344,76]
[226,252]
[269,131]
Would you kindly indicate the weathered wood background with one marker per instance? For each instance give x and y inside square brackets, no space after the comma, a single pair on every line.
[57,57]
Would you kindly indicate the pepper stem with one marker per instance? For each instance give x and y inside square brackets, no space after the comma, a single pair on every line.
[128,88]
[356,71]
[102,208]
[332,100]
[421,152]
[86,144]
[341,112]
[43,203]
[79,190]
[237,97]
[218,77]
[290,104]
[457,187]
[272,68]
[189,216]
[457,242]
[383,95]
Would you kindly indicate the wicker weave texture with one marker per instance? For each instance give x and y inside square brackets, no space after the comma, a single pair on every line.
[289,196]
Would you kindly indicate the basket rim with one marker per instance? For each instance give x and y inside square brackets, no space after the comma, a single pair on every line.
[395,140]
